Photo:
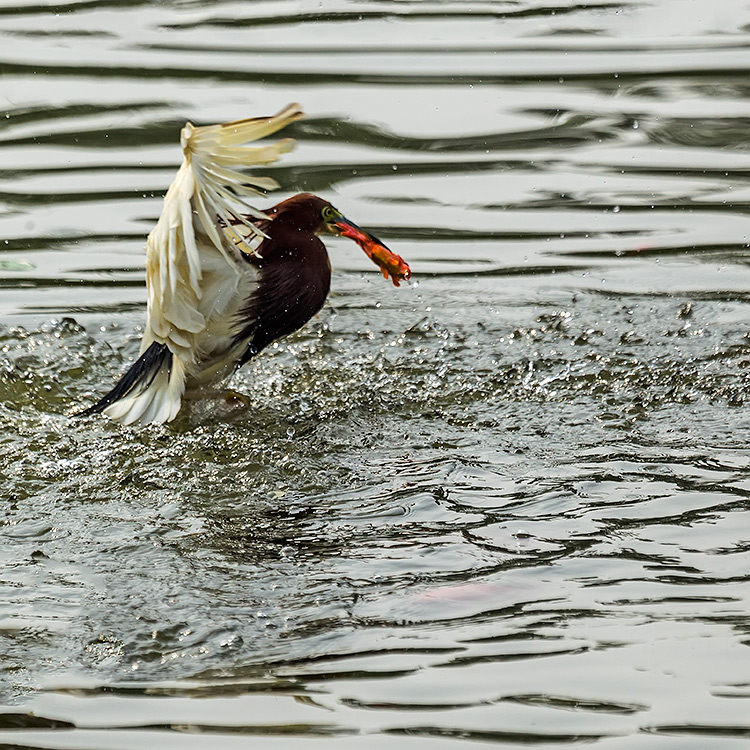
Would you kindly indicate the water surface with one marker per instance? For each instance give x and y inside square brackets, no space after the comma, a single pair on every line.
[507,504]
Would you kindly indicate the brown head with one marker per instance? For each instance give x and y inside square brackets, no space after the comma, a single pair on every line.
[303,212]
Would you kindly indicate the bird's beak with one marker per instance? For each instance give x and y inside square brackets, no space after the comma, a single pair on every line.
[347,228]
[390,264]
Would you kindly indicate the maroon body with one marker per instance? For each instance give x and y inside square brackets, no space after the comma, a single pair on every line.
[294,273]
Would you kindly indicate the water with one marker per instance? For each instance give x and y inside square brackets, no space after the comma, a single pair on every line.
[505,505]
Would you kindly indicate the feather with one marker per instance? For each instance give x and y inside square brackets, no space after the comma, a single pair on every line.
[191,251]
[172,262]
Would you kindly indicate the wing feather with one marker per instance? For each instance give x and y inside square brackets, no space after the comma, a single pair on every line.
[259,154]
[172,263]
[206,198]
[232,176]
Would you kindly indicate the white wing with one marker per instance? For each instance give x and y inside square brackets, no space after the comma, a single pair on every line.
[205,200]
[194,269]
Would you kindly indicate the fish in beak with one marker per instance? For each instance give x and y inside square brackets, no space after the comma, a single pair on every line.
[391,265]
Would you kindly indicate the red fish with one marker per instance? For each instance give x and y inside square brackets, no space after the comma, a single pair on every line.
[392,265]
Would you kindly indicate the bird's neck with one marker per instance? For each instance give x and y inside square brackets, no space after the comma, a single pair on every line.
[290,243]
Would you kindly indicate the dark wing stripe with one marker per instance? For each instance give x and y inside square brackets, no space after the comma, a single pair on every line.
[140,375]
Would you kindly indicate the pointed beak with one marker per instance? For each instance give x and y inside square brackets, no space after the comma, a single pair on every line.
[347,228]
[391,265]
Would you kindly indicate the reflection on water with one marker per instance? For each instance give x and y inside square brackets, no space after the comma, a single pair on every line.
[507,504]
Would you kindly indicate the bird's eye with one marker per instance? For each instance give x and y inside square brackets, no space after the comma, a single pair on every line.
[329,214]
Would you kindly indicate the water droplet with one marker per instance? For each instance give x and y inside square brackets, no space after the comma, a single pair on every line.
[616,210]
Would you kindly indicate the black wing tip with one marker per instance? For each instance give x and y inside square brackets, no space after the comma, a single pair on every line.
[98,407]
[89,411]
[141,374]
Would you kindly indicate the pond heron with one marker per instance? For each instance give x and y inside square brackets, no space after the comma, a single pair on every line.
[225,279]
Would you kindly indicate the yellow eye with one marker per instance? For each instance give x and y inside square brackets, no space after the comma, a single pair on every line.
[329,214]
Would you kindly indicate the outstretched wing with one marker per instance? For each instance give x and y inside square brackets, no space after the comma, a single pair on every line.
[194,268]
[204,219]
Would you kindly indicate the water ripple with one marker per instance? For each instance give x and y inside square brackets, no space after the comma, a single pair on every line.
[506,503]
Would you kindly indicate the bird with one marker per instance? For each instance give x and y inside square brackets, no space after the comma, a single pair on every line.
[224,279]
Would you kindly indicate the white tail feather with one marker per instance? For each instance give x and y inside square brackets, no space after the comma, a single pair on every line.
[159,402]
